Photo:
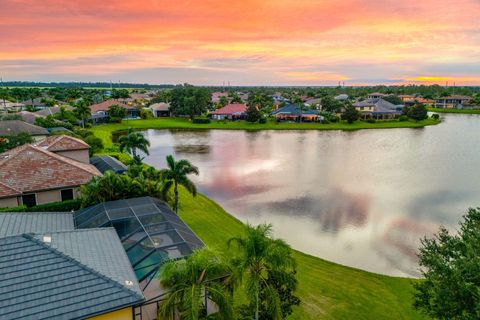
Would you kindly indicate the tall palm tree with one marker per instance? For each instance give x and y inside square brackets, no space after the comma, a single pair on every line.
[133,141]
[176,174]
[82,111]
[260,255]
[193,282]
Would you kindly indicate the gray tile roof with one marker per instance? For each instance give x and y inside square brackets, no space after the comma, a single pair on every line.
[13,127]
[17,223]
[82,245]
[41,282]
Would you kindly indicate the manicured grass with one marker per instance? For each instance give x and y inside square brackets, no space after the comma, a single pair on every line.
[466,111]
[327,290]
[104,131]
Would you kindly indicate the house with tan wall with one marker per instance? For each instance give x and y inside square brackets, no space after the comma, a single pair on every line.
[51,170]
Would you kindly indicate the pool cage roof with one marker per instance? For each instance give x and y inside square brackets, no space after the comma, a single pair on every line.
[151,233]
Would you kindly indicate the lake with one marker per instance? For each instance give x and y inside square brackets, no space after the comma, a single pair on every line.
[361,198]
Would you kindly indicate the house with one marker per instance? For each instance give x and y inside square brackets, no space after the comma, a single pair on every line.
[232,111]
[407,97]
[293,112]
[108,163]
[341,97]
[29,117]
[14,127]
[66,146]
[99,111]
[377,108]
[452,102]
[11,106]
[314,103]
[37,103]
[161,109]
[52,110]
[376,95]
[151,234]
[52,271]
[50,171]
[217,95]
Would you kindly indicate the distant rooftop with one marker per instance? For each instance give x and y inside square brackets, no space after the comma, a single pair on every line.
[14,127]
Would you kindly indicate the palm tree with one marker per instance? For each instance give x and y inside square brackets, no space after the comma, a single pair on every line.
[133,141]
[193,282]
[176,174]
[259,256]
[82,111]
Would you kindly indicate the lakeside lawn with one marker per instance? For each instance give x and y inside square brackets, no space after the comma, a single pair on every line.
[105,131]
[327,290]
[465,111]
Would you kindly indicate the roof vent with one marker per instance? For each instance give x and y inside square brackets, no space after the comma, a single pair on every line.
[129,283]
[47,239]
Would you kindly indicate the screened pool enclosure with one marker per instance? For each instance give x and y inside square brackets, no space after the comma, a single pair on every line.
[150,231]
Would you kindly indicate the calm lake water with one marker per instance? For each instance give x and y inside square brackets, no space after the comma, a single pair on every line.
[362,199]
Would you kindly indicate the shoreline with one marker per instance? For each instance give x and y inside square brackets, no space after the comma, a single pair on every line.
[457,111]
[104,131]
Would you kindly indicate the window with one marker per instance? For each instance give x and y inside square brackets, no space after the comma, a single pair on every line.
[67,194]
[29,200]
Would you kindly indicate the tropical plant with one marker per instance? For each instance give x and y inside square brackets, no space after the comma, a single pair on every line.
[418,112]
[193,283]
[264,264]
[176,174]
[82,111]
[451,271]
[351,114]
[116,113]
[133,141]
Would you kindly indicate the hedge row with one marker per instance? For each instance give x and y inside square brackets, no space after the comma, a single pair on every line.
[67,205]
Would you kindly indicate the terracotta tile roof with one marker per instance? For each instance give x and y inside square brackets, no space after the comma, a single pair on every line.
[105,105]
[6,191]
[232,108]
[28,168]
[62,143]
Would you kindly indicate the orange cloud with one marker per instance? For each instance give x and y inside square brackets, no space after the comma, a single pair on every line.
[304,41]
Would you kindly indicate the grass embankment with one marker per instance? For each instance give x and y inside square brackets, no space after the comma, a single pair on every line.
[105,131]
[327,290]
[465,111]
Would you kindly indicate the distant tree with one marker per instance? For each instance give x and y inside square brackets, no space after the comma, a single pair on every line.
[190,100]
[116,113]
[252,114]
[350,114]
[418,112]
[393,99]
[48,122]
[451,271]
[177,174]
[223,101]
[162,96]
[235,97]
[133,141]
[262,101]
[120,94]
[330,105]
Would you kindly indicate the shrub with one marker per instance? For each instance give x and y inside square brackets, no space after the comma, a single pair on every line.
[435,116]
[334,118]
[201,120]
[262,120]
[403,118]
[371,120]
[67,205]
[95,143]
[146,114]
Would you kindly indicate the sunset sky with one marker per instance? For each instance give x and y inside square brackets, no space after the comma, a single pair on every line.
[247,42]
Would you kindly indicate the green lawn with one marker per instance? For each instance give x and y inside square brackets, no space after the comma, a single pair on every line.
[327,290]
[104,131]
[466,111]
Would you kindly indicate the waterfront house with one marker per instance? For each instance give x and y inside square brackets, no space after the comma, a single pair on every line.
[232,111]
[13,127]
[161,109]
[52,271]
[293,112]
[99,111]
[49,171]
[377,108]
[453,102]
